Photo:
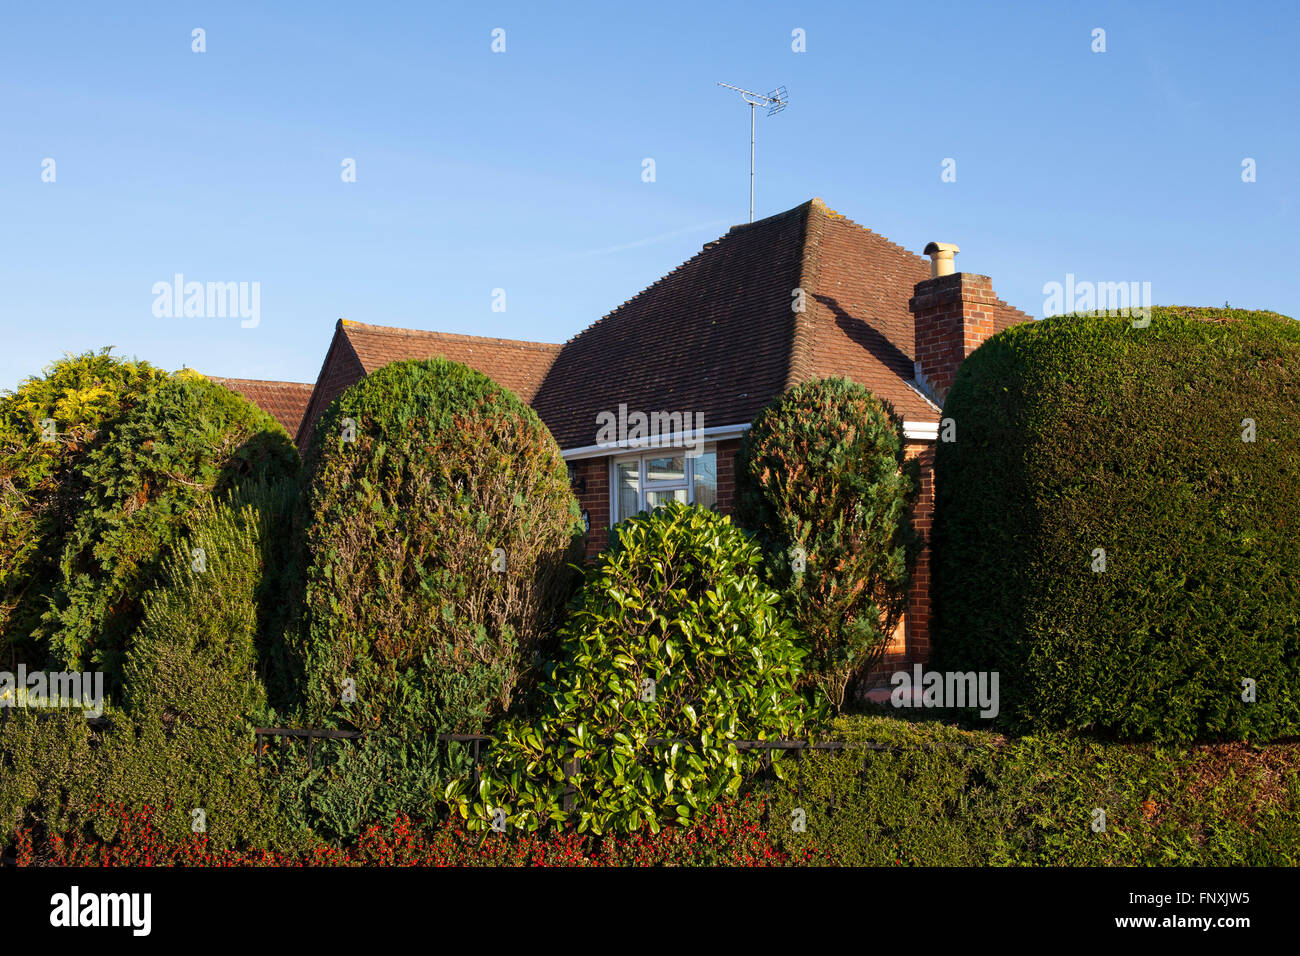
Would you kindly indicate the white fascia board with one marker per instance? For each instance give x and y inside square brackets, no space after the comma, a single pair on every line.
[675,440]
[921,431]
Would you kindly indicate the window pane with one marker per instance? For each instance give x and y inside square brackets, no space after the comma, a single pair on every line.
[671,468]
[653,499]
[628,483]
[706,480]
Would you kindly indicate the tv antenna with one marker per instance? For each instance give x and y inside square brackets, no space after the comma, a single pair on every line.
[775,102]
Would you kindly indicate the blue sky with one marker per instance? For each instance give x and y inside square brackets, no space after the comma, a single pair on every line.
[522,170]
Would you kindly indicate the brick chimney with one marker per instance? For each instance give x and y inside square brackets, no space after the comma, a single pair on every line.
[952,312]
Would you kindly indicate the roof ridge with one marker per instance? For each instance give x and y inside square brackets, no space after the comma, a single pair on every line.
[348,325]
[260,381]
[804,332]
[1012,308]
[707,247]
[815,201]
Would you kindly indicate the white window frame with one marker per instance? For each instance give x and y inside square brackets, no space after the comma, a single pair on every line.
[643,484]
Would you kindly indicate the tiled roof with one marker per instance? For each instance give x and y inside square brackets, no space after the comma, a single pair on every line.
[713,336]
[358,349]
[283,401]
[519,366]
[717,335]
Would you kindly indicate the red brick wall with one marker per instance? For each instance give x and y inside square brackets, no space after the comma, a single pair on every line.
[591,485]
[340,371]
[918,601]
[727,475]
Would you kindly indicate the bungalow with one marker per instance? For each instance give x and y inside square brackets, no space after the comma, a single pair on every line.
[800,295]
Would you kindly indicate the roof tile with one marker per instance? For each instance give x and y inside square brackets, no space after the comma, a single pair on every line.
[284,401]
[519,366]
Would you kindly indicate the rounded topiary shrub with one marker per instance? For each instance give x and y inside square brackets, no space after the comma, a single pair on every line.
[675,636]
[47,428]
[821,478]
[440,526]
[188,439]
[1115,525]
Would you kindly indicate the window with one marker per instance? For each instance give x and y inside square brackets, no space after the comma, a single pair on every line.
[644,482]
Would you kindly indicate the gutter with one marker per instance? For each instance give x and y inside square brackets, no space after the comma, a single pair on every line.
[912,431]
[675,440]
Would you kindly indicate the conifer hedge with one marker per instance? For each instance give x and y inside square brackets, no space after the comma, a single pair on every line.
[441,526]
[1117,529]
[195,687]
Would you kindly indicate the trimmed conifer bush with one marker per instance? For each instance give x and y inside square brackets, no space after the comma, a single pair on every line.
[821,478]
[1115,527]
[441,527]
[194,690]
[47,428]
[217,609]
[675,636]
[188,439]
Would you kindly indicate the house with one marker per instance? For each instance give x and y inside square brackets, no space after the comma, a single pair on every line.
[800,295]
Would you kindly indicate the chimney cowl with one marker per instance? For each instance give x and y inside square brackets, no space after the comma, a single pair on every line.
[941,254]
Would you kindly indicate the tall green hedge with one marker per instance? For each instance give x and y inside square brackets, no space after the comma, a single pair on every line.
[441,526]
[189,438]
[47,428]
[219,609]
[1084,438]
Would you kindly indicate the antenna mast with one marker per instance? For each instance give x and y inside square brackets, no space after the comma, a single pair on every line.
[775,102]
